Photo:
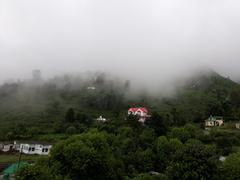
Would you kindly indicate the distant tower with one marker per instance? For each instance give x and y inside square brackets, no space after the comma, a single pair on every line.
[37,75]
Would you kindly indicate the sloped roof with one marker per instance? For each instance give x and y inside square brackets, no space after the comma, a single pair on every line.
[139,108]
[214,118]
[33,142]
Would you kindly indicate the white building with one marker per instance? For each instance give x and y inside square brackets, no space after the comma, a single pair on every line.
[37,148]
[222,158]
[214,121]
[101,119]
[91,88]
[6,147]
[16,145]
[238,125]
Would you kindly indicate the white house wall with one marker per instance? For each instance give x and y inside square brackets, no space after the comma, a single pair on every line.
[35,149]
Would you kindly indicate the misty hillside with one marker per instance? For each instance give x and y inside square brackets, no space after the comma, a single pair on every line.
[202,96]
[37,103]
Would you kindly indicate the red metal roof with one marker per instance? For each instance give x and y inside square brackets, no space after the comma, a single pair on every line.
[137,109]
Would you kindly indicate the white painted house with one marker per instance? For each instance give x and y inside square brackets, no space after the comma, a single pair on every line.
[91,88]
[213,121]
[6,147]
[141,112]
[16,146]
[101,119]
[238,125]
[37,148]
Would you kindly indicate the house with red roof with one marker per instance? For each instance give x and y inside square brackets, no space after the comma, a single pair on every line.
[142,112]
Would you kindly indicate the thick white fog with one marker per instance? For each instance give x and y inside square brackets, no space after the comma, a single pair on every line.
[151,41]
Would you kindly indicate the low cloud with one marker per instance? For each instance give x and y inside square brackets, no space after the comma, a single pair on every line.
[152,43]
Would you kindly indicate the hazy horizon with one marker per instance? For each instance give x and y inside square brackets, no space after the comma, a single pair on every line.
[150,41]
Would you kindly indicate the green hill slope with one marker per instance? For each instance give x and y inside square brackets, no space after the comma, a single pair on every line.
[42,107]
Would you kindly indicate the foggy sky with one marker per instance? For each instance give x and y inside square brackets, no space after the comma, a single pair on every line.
[146,40]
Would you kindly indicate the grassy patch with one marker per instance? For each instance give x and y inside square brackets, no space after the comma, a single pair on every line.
[12,158]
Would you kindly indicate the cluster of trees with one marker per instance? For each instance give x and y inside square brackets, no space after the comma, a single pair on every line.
[44,104]
[127,149]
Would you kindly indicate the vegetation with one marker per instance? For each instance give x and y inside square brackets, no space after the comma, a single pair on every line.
[12,158]
[231,168]
[172,144]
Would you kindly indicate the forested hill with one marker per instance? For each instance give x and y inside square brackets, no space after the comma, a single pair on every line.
[42,105]
[205,95]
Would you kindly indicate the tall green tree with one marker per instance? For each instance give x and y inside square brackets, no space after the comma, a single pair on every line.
[158,123]
[165,150]
[194,161]
[231,167]
[87,156]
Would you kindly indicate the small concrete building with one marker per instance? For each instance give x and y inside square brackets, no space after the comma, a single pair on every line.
[238,125]
[222,158]
[38,148]
[213,121]
[101,119]
[16,145]
[91,88]
[6,146]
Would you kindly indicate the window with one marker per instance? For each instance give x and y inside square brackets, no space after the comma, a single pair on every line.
[33,149]
[46,150]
